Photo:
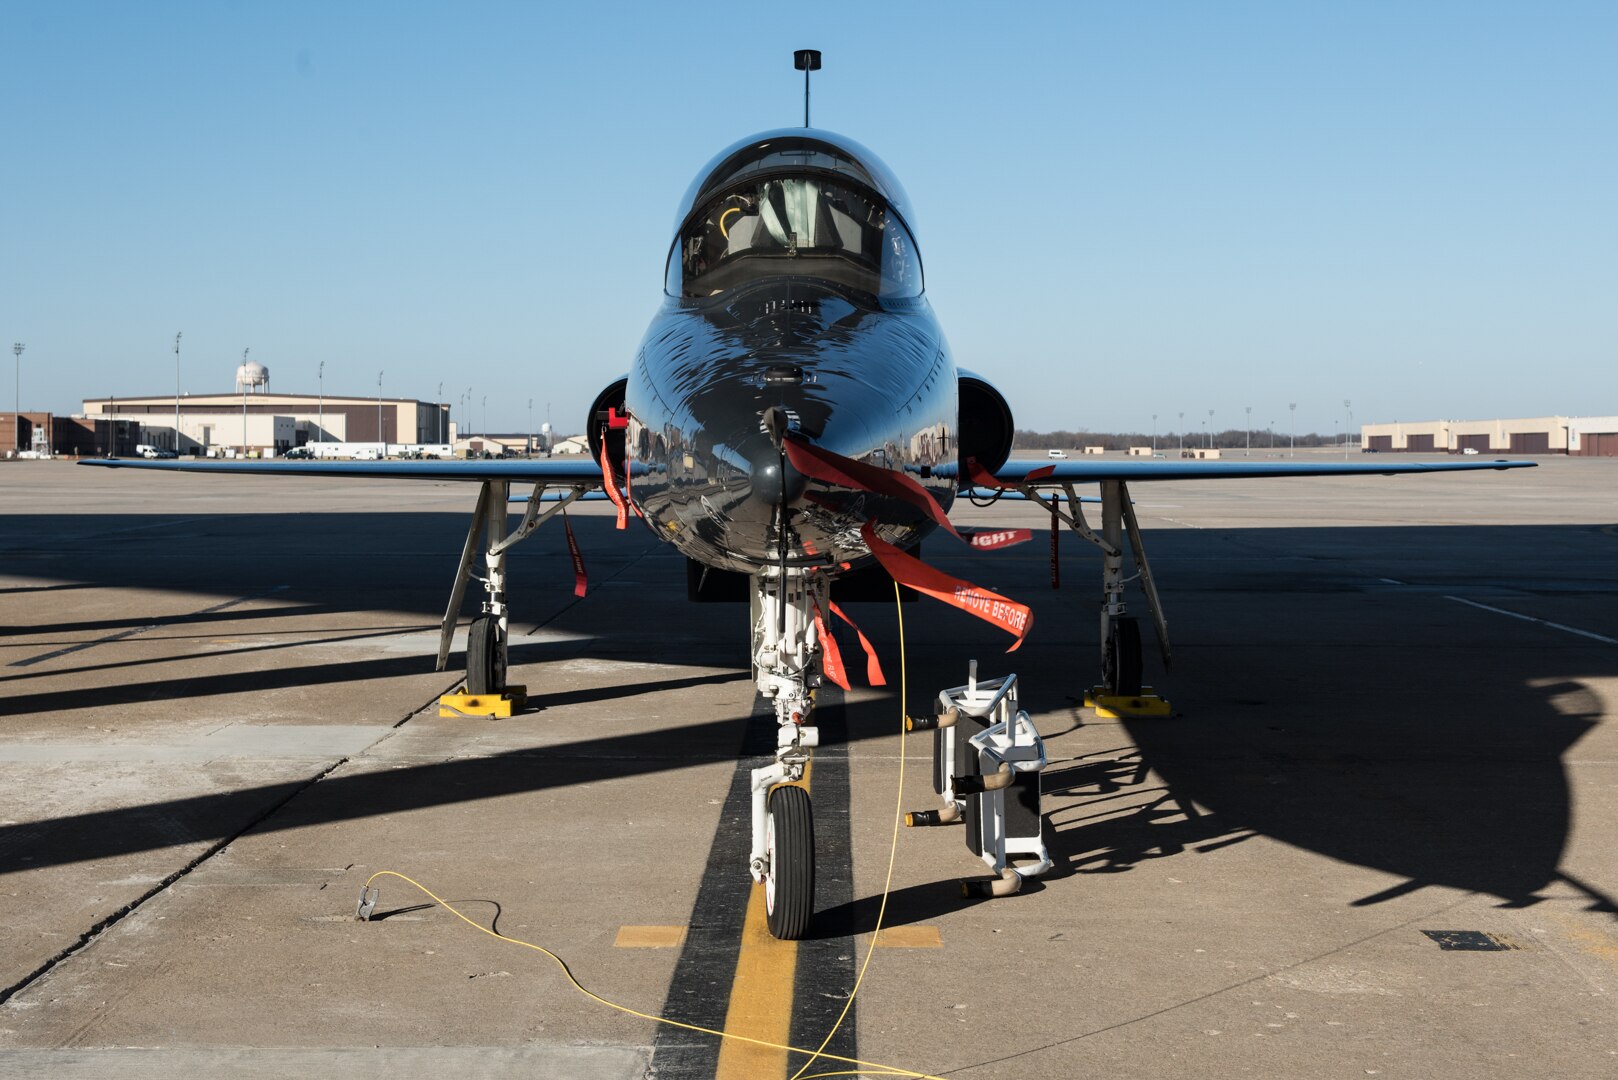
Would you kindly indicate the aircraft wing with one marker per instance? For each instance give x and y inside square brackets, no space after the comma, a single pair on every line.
[1040,473]
[578,470]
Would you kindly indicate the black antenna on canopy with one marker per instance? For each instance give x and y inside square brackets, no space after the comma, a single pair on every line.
[806,60]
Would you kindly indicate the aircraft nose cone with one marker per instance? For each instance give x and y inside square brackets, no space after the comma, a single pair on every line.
[774,480]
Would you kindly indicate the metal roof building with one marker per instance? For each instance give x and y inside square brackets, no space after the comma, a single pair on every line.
[1589,436]
[258,421]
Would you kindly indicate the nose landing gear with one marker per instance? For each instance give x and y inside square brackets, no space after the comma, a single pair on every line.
[786,662]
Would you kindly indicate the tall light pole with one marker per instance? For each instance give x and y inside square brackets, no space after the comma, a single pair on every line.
[1210,429]
[320,425]
[1348,416]
[1272,434]
[485,416]
[1182,434]
[1154,434]
[177,394]
[1292,424]
[440,404]
[530,427]
[379,437]
[16,414]
[244,400]
[1249,409]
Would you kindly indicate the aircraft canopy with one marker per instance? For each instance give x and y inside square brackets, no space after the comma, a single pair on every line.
[794,202]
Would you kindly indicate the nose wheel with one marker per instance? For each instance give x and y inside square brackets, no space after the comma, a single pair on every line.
[789,882]
[786,660]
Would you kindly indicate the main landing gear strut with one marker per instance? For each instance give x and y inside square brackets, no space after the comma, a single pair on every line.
[1120,632]
[786,665]
[486,638]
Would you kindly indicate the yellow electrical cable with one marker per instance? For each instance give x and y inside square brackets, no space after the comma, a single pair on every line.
[866,1068]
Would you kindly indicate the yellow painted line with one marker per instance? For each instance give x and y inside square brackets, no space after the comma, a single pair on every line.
[760,995]
[760,1000]
[650,937]
[910,937]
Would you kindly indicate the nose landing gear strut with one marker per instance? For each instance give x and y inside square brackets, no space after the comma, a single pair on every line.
[786,663]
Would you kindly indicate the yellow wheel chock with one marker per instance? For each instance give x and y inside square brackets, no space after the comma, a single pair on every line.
[492,706]
[1126,706]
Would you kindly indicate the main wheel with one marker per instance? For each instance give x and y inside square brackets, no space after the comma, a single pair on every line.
[485,657]
[1122,668]
[789,887]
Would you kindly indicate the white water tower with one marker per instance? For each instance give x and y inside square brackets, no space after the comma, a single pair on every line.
[252,377]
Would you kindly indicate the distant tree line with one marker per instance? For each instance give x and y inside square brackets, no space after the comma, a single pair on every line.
[1229,439]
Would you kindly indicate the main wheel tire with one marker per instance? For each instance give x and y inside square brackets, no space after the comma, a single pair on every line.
[1123,674]
[485,657]
[789,887]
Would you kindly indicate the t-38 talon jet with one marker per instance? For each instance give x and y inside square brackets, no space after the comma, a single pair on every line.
[792,418]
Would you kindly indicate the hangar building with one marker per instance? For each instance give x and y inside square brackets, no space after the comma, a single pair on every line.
[1588,436]
[253,420]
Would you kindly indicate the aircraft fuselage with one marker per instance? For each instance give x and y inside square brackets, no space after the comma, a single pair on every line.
[817,311]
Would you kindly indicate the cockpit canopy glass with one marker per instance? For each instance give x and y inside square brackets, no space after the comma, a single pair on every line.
[797,226]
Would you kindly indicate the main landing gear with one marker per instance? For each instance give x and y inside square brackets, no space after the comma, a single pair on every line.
[1121,669]
[786,665]
[486,638]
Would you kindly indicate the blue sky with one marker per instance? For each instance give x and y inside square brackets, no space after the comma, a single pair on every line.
[1124,209]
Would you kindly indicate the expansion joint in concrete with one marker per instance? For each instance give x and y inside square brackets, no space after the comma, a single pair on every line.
[104,924]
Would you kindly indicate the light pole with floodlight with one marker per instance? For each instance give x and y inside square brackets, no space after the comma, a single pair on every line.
[379,436]
[1154,434]
[1292,434]
[177,394]
[1249,409]
[16,414]
[244,399]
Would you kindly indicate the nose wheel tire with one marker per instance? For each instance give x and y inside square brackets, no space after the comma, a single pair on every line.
[789,886]
[485,657]
[1121,668]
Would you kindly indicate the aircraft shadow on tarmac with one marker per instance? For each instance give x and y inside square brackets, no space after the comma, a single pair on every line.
[1302,742]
